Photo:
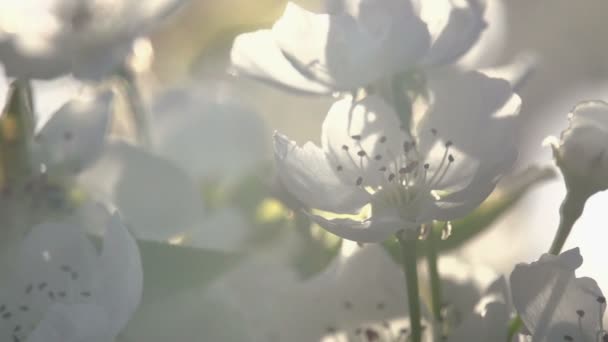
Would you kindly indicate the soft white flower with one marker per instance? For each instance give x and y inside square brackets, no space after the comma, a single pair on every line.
[59,288]
[459,149]
[196,141]
[357,42]
[212,137]
[581,153]
[554,304]
[48,38]
[37,177]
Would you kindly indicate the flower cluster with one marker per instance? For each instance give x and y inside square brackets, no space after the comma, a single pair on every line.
[113,172]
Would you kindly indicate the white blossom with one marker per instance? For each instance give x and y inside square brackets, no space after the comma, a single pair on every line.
[357,42]
[59,288]
[89,38]
[459,149]
[581,151]
[554,304]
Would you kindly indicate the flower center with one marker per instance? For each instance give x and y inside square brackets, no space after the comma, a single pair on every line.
[405,181]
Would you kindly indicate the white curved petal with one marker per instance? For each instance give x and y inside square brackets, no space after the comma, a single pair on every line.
[478,116]
[454,32]
[257,55]
[157,199]
[362,137]
[547,296]
[120,275]
[371,230]
[73,137]
[73,323]
[308,175]
[348,52]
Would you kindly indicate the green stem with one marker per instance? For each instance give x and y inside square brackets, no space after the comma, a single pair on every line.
[408,254]
[514,327]
[431,256]
[570,210]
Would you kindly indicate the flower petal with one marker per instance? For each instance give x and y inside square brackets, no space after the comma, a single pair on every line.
[371,230]
[157,199]
[348,52]
[455,32]
[361,137]
[73,323]
[73,137]
[308,174]
[553,303]
[120,275]
[257,55]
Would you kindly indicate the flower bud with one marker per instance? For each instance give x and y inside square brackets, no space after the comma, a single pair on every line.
[582,151]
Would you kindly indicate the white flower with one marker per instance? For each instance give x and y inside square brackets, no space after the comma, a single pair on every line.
[581,153]
[460,148]
[37,177]
[357,42]
[45,39]
[196,141]
[60,288]
[210,137]
[554,304]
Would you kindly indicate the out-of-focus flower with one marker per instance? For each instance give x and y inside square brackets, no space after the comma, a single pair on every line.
[45,39]
[554,304]
[196,141]
[160,201]
[491,323]
[357,42]
[60,288]
[581,153]
[460,147]
[39,167]
[211,139]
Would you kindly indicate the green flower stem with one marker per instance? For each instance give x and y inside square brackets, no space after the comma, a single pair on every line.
[515,325]
[570,210]
[408,254]
[431,257]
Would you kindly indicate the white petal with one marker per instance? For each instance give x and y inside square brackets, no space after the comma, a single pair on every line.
[257,55]
[226,229]
[348,52]
[467,108]
[73,323]
[368,126]
[157,199]
[454,33]
[517,72]
[74,136]
[374,229]
[120,275]
[493,326]
[547,296]
[308,174]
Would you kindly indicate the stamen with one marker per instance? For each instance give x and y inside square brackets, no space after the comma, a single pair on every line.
[359,181]
[361,153]
[382,139]
[345,148]
[356,137]
[339,168]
